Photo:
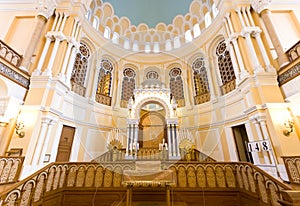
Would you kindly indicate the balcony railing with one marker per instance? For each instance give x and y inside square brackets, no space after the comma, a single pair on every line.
[209,176]
[102,99]
[291,70]
[202,98]
[292,165]
[10,168]
[228,87]
[9,54]
[78,89]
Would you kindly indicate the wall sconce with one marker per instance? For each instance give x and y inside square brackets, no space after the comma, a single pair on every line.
[289,127]
[19,127]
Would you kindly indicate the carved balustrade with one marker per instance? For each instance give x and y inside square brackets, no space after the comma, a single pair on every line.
[78,89]
[242,177]
[228,87]
[10,168]
[291,70]
[292,165]
[10,55]
[102,99]
[202,98]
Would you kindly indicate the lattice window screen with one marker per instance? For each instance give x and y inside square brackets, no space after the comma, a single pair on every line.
[225,68]
[128,85]
[176,86]
[105,78]
[80,65]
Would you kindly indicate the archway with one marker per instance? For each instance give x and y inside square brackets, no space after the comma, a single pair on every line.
[152,126]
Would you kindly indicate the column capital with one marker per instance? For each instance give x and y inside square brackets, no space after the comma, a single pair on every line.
[260,5]
[46,8]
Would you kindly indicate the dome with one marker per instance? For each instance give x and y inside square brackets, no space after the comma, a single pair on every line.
[134,25]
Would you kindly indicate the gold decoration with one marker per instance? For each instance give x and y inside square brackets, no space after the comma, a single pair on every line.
[50,179]
[210,175]
[80,177]
[26,194]
[89,179]
[201,178]
[39,188]
[62,177]
[99,177]
[181,177]
[108,177]
[230,177]
[191,177]
[71,177]
[245,178]
[220,177]
[262,189]
[56,178]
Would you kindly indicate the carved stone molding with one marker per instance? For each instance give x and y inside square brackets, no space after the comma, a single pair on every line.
[46,8]
[14,76]
[260,5]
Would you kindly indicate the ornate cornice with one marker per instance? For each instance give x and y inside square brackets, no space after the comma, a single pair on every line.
[46,8]
[260,5]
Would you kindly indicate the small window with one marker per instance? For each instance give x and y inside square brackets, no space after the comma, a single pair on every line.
[188,36]
[207,19]
[107,32]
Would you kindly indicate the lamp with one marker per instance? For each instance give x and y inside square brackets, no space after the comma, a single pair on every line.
[289,127]
[19,127]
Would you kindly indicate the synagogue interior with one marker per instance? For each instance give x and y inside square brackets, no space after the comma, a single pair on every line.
[139,103]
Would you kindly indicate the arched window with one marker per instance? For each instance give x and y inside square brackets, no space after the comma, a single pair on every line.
[104,83]
[196,30]
[215,10]
[188,36]
[225,67]
[135,46]
[168,45]
[147,47]
[156,47]
[126,43]
[95,22]
[106,32]
[80,70]
[128,85]
[176,86]
[200,81]
[207,19]
[176,42]
[115,38]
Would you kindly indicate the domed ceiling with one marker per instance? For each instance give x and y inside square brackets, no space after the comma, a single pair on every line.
[150,12]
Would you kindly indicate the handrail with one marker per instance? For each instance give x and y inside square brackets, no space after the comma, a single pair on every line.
[235,176]
[10,168]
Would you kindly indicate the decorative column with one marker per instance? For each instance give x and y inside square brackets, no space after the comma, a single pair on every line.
[246,34]
[260,137]
[261,7]
[132,138]
[45,10]
[173,139]
[3,140]
[51,122]
[40,141]
[58,38]
[233,39]
[38,70]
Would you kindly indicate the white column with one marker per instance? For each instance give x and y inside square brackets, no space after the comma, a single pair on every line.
[234,63]
[169,141]
[44,53]
[245,16]
[246,33]
[59,22]
[244,73]
[66,60]
[260,137]
[267,137]
[55,21]
[45,143]
[58,39]
[3,140]
[263,52]
[71,64]
[210,83]
[64,22]
[40,141]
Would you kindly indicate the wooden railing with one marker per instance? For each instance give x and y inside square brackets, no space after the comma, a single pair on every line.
[152,154]
[294,52]
[242,177]
[10,168]
[292,165]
